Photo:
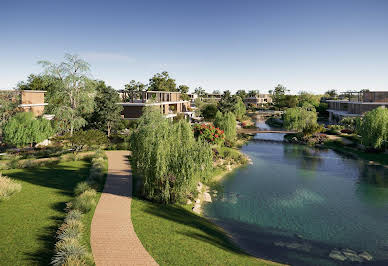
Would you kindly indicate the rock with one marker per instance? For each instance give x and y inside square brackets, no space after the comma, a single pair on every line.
[299,246]
[207,197]
[279,244]
[189,202]
[197,208]
[199,187]
[298,236]
[351,255]
[337,255]
[197,201]
[365,255]
[229,167]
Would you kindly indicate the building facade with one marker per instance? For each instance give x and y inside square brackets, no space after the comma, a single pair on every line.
[169,103]
[356,106]
[258,101]
[28,100]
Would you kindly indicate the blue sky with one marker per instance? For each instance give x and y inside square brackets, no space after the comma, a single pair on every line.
[305,45]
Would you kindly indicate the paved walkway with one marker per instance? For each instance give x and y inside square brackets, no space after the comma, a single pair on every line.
[113,239]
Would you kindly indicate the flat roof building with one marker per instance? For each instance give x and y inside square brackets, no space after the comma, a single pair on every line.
[28,100]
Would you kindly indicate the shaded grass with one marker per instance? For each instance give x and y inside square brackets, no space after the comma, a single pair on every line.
[174,235]
[30,218]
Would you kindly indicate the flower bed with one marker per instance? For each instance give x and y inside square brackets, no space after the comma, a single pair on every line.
[210,133]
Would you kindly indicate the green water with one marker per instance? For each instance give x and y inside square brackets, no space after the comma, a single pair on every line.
[297,194]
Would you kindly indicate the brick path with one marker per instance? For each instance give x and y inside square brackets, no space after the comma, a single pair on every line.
[113,239]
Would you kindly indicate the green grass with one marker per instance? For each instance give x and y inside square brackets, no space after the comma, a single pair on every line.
[29,220]
[174,235]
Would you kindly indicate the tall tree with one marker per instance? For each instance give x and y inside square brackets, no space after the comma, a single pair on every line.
[242,93]
[227,102]
[106,112]
[132,89]
[184,89]
[239,108]
[373,128]
[76,91]
[301,119]
[278,96]
[226,122]
[9,101]
[162,82]
[200,92]
[253,93]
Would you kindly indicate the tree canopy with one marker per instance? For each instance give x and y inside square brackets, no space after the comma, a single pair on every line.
[23,128]
[301,119]
[227,123]
[162,82]
[373,128]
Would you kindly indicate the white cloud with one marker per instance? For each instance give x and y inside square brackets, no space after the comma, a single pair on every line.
[107,57]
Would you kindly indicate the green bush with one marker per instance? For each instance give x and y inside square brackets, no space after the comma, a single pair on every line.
[8,187]
[85,202]
[81,188]
[69,250]
[227,123]
[373,128]
[71,229]
[73,215]
[301,119]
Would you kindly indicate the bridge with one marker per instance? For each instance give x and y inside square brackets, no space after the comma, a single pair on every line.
[258,131]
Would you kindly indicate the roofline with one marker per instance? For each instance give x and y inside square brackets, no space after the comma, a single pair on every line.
[151,104]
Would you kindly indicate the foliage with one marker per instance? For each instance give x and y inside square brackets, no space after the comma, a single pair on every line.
[331,94]
[200,92]
[373,128]
[85,202]
[227,123]
[23,129]
[168,157]
[308,99]
[107,113]
[301,119]
[239,109]
[81,188]
[253,93]
[9,101]
[183,89]
[8,187]
[162,82]
[209,133]
[134,86]
[88,138]
[227,103]
[322,109]
[209,111]
[278,95]
[349,123]
[242,94]
[74,98]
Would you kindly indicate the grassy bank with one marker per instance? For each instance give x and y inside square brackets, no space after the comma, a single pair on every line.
[174,235]
[29,219]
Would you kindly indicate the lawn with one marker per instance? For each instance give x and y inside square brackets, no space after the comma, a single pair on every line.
[174,235]
[29,219]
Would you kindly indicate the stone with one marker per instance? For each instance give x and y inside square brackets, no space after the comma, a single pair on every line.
[189,202]
[299,246]
[207,197]
[365,255]
[197,201]
[199,187]
[337,255]
[197,208]
[298,236]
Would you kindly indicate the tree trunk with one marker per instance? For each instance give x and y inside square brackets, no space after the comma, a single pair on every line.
[109,128]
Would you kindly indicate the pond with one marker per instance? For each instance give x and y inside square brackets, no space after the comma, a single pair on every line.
[297,204]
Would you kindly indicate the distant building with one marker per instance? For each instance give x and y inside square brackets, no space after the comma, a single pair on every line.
[356,104]
[259,100]
[169,103]
[212,97]
[28,100]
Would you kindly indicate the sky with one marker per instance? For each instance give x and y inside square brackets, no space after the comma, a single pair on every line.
[308,46]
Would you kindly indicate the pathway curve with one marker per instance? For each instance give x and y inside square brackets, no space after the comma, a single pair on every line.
[113,238]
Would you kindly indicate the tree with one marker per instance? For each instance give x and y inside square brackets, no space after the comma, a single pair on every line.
[9,101]
[200,92]
[332,93]
[253,93]
[301,119]
[209,111]
[239,109]
[132,88]
[227,102]
[107,113]
[227,123]
[89,138]
[162,82]
[278,95]
[76,91]
[308,99]
[24,128]
[242,94]
[167,156]
[184,89]
[373,128]
[216,92]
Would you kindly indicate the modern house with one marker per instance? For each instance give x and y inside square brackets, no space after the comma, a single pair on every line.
[170,103]
[356,104]
[212,97]
[28,100]
[259,100]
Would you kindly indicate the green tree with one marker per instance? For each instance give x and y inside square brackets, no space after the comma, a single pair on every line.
[184,89]
[279,95]
[242,94]
[9,101]
[200,92]
[209,111]
[253,93]
[331,94]
[227,103]
[133,88]
[239,109]
[227,123]
[76,92]
[308,99]
[301,119]
[373,128]
[24,128]
[162,82]
[91,138]
[216,92]
[107,113]
[168,157]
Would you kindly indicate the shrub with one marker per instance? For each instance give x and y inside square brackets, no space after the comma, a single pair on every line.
[69,250]
[14,162]
[73,215]
[373,128]
[209,111]
[70,229]
[81,188]
[85,202]
[8,187]
[211,134]
[301,119]
[227,123]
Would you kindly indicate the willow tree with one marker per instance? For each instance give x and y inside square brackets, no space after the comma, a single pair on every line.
[76,91]
[373,128]
[226,122]
[239,108]
[301,119]
[168,157]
